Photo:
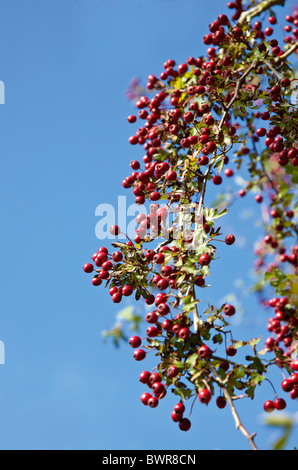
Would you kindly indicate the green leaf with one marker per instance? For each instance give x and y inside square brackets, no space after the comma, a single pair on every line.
[217,338]
[191,360]
[182,390]
[256,378]
[190,306]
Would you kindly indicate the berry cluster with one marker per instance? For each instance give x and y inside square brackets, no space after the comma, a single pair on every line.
[189,119]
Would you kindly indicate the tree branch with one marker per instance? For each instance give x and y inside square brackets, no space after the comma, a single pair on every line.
[220,126]
[288,52]
[229,400]
[258,9]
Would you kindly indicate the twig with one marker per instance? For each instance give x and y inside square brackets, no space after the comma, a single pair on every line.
[288,52]
[229,400]
[221,123]
[258,9]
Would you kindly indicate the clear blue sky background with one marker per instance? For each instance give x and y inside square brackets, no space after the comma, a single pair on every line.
[64,150]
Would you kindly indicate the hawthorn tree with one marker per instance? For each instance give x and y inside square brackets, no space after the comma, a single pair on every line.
[200,122]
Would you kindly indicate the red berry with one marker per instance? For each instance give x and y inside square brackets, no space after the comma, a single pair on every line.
[163,308]
[145,397]
[229,310]
[184,333]
[204,396]
[100,259]
[221,402]
[179,407]
[261,132]
[162,284]
[158,258]
[237,32]
[229,172]
[135,165]
[176,416]
[151,317]
[171,175]
[154,377]
[270,343]
[96,281]
[188,116]
[153,402]
[294,365]
[107,266]
[268,31]
[287,385]
[231,351]
[117,256]
[157,388]
[217,180]
[184,424]
[204,351]
[113,290]
[133,140]
[199,281]
[272,20]
[167,325]
[172,371]
[134,341]
[230,239]
[152,331]
[144,376]
[88,268]
[127,290]
[279,404]
[116,298]
[224,366]
[114,230]
[269,406]
[204,259]
[139,354]
[294,378]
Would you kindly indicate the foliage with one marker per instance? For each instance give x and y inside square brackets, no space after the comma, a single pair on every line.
[237,106]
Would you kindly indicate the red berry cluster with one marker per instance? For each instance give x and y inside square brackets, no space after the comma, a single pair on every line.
[168,373]
[283,327]
[199,110]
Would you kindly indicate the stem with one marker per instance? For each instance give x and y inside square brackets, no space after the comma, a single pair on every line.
[239,425]
[196,319]
[258,9]
[288,52]
[221,123]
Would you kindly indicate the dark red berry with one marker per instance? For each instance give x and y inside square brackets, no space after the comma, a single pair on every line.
[204,396]
[88,268]
[221,402]
[229,310]
[204,259]
[184,424]
[279,404]
[269,406]
[230,239]
[139,354]
[135,341]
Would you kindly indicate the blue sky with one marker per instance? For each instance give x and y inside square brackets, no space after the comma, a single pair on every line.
[64,150]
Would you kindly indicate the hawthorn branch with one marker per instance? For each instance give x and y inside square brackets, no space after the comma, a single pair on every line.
[239,425]
[287,53]
[195,314]
[221,123]
[247,16]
